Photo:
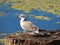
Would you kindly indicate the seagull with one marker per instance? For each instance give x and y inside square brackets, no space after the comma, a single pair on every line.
[28,26]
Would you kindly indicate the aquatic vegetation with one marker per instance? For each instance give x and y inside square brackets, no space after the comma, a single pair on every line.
[57,22]
[28,5]
[41,17]
[1,14]
[1,1]
[2,41]
[49,6]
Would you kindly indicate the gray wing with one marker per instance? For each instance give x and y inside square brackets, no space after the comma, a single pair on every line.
[27,25]
[32,26]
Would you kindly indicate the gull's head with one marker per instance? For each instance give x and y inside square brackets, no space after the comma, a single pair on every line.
[22,16]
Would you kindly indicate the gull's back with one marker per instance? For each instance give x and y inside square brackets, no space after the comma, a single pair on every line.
[29,26]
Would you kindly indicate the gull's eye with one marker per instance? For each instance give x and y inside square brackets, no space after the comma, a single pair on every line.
[23,16]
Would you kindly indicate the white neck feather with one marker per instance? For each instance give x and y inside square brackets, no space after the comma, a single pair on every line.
[22,19]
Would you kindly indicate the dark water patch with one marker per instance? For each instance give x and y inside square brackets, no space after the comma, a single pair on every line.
[1,44]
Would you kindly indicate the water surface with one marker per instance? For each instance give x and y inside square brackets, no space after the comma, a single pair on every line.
[1,44]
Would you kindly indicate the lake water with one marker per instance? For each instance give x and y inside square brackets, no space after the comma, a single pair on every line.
[1,44]
[9,23]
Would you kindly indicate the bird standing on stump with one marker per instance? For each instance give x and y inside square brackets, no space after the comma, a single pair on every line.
[28,26]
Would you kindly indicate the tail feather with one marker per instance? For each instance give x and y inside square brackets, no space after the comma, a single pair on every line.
[36,31]
[41,30]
